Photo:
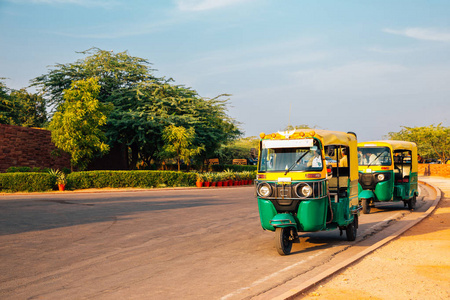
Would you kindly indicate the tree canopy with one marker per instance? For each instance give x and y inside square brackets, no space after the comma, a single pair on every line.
[18,107]
[142,104]
[179,142]
[77,124]
[432,141]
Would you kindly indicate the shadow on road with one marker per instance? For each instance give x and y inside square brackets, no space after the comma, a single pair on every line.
[42,213]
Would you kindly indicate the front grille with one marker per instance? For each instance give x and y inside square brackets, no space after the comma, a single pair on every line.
[284,191]
[288,191]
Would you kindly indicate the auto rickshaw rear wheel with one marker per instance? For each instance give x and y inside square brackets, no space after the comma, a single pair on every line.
[412,203]
[283,240]
[366,206]
[351,229]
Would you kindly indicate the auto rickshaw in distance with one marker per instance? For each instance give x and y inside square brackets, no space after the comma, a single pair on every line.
[298,192]
[387,172]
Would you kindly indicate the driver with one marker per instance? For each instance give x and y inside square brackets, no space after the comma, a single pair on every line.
[316,160]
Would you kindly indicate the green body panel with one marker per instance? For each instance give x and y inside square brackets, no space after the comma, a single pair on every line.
[399,191]
[385,189]
[366,194]
[406,190]
[341,213]
[391,190]
[312,214]
[413,188]
[266,213]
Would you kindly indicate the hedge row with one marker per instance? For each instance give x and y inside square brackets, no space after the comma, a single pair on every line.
[37,182]
[26,182]
[122,179]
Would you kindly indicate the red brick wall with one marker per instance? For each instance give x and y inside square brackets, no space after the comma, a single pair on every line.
[434,170]
[28,147]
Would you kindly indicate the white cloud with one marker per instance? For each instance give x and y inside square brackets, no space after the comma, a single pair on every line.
[422,34]
[202,5]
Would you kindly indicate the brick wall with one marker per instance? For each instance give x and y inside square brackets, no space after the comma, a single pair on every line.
[434,170]
[28,147]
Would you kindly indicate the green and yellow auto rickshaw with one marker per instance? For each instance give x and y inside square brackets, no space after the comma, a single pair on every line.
[298,192]
[387,172]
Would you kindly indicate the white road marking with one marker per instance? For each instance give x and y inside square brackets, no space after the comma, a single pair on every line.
[255,283]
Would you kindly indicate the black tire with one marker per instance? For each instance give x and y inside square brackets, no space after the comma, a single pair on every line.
[366,206]
[412,203]
[352,229]
[283,242]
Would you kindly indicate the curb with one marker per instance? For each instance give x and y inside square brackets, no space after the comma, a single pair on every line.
[295,292]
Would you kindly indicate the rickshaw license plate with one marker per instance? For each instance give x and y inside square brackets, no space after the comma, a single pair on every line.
[285,180]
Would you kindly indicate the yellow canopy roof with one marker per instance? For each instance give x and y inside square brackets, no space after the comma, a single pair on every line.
[329,137]
[395,145]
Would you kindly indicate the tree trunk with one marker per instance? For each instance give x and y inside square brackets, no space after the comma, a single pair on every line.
[134,156]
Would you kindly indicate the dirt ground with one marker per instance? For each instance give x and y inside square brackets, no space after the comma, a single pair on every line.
[414,266]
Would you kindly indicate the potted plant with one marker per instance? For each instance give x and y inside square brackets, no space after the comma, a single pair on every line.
[214,179]
[60,178]
[219,179]
[200,180]
[208,179]
[246,176]
[229,176]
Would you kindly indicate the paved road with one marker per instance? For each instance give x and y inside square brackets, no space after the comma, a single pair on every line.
[159,244]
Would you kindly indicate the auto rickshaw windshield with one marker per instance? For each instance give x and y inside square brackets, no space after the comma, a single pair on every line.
[292,159]
[374,156]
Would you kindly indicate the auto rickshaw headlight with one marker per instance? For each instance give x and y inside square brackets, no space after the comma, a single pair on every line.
[380,177]
[303,190]
[264,190]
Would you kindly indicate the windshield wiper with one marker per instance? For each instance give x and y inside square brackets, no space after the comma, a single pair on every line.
[291,167]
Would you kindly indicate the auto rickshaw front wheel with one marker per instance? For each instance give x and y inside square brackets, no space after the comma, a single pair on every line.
[351,229]
[366,206]
[283,240]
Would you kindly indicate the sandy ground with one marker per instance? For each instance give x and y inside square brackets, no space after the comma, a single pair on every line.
[414,266]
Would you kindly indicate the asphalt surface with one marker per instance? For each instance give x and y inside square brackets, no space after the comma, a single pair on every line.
[158,244]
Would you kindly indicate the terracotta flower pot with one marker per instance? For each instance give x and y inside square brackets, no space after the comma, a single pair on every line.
[207,183]
[219,183]
[61,187]
[199,183]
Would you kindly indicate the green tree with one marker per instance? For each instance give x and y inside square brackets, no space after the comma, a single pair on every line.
[179,144]
[31,108]
[301,126]
[114,71]
[18,107]
[6,105]
[432,141]
[143,105]
[240,148]
[77,124]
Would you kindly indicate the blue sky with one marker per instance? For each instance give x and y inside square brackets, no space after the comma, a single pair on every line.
[363,66]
